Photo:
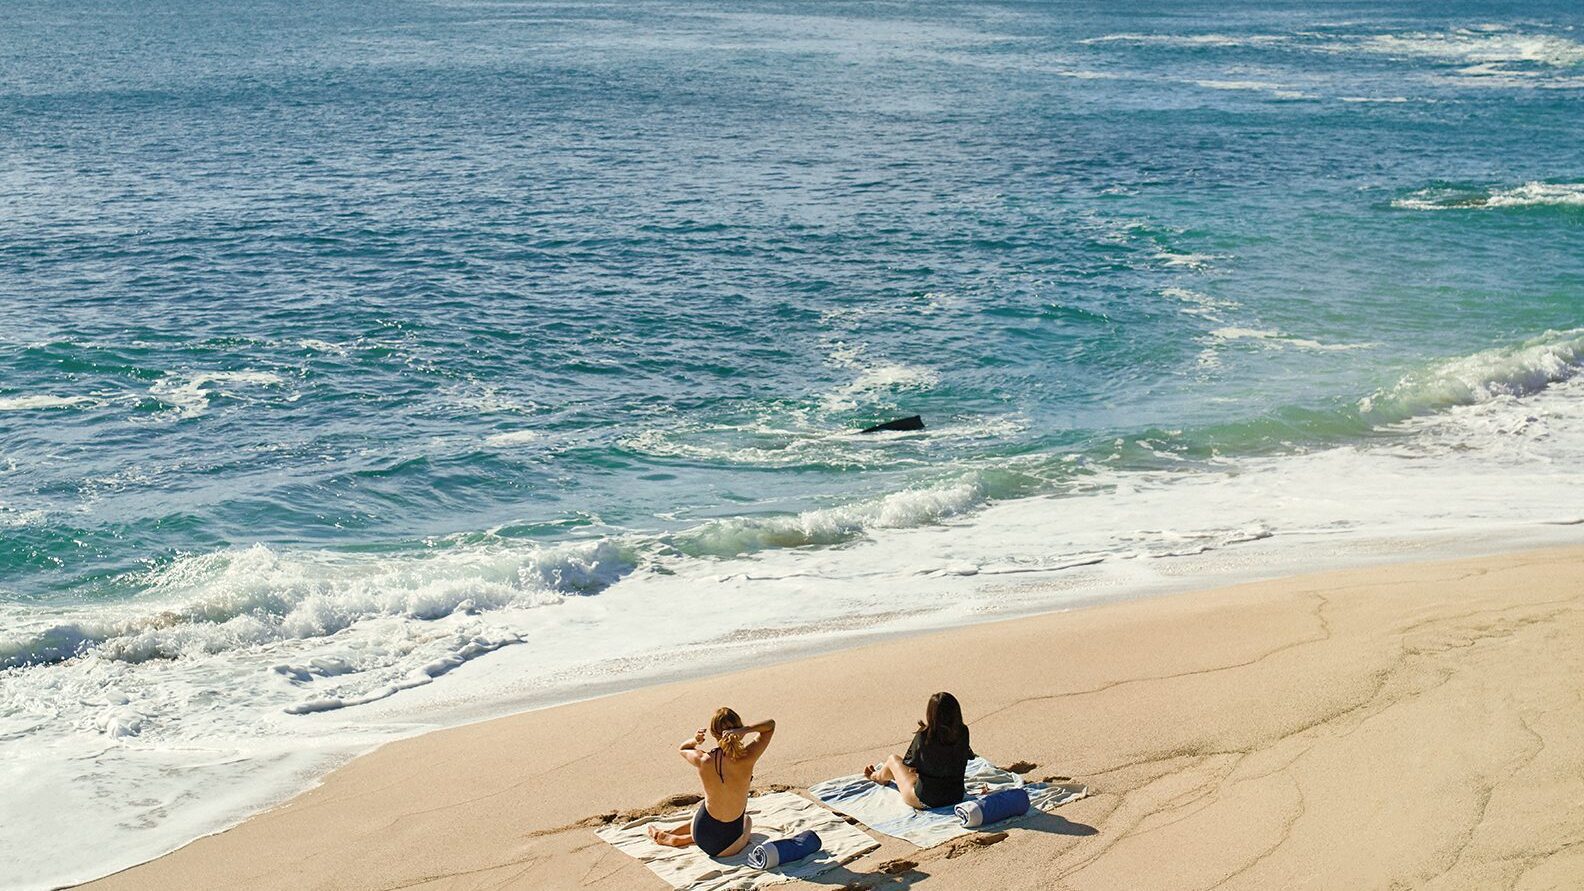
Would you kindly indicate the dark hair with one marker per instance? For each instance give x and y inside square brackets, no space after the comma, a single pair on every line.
[943,720]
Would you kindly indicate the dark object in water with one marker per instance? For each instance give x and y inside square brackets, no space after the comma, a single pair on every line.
[912,423]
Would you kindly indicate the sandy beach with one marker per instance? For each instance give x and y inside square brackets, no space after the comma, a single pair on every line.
[1419,725]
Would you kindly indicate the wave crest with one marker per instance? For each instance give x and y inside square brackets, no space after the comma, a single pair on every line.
[1516,371]
[834,525]
[1532,194]
[238,599]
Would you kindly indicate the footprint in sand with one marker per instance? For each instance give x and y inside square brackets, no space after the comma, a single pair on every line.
[664,805]
[983,840]
[897,867]
[681,799]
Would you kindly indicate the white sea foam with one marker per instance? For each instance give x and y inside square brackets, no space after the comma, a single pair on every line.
[511,438]
[793,437]
[1195,303]
[323,346]
[208,677]
[1522,370]
[255,597]
[1245,333]
[766,444]
[939,301]
[874,380]
[1087,74]
[1280,91]
[1276,338]
[1494,46]
[1538,193]
[11,518]
[1192,40]
[1239,85]
[29,402]
[777,437]
[892,377]
[383,678]
[1188,260]
[189,394]
[1488,55]
[1533,194]
[834,525]
[488,399]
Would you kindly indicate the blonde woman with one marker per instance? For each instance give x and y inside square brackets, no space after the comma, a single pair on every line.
[721,825]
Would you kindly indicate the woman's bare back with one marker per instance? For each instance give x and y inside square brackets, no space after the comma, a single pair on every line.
[726,782]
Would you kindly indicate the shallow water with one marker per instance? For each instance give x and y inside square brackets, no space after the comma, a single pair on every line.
[347,348]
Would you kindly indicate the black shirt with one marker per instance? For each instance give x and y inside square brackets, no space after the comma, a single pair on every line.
[940,767]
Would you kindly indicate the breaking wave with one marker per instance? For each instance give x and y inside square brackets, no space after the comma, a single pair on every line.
[1534,194]
[253,597]
[1516,371]
[834,525]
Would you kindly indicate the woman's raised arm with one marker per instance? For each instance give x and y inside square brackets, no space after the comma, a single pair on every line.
[765,729]
[689,748]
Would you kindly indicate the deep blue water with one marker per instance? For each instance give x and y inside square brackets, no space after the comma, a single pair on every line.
[661,236]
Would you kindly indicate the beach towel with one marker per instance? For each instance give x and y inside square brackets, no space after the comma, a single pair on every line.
[779,815]
[882,809]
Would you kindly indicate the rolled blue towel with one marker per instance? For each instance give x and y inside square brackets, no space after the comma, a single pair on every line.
[773,853]
[993,808]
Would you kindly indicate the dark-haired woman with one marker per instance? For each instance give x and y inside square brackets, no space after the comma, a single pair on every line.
[931,773]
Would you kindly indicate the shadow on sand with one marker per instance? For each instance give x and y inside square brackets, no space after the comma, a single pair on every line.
[904,873]
[844,878]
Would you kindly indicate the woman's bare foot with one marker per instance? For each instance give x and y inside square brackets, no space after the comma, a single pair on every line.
[670,838]
[876,773]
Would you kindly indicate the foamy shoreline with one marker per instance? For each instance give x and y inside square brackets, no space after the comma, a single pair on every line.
[1016,558]
[1282,719]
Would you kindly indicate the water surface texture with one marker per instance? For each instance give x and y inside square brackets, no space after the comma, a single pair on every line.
[367,365]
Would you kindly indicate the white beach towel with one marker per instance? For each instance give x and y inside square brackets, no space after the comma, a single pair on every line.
[777,815]
[882,809]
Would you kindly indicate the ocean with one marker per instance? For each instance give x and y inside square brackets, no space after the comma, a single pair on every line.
[372,367]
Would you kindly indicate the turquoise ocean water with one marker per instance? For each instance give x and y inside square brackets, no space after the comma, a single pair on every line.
[344,344]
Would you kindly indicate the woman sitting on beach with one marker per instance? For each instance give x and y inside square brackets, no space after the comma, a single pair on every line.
[720,826]
[931,773]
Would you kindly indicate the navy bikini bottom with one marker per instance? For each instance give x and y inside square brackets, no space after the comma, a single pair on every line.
[711,835]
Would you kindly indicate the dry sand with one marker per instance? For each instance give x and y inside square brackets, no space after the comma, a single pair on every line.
[1413,726]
